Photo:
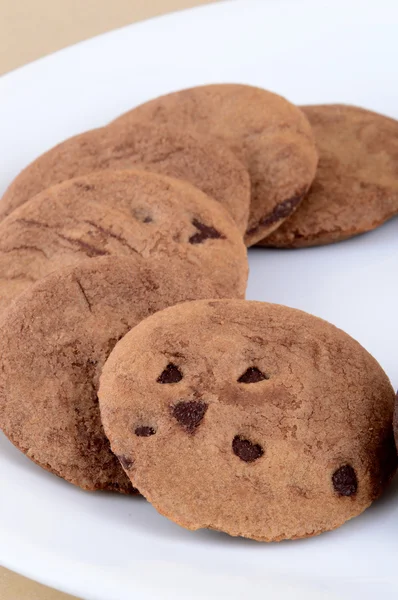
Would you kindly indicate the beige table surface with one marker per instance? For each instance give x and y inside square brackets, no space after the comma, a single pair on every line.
[30,29]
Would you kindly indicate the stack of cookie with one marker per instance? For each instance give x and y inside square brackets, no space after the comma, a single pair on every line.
[130,360]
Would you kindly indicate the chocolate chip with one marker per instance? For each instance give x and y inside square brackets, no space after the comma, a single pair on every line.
[147,220]
[171,374]
[345,481]
[246,450]
[125,461]
[281,211]
[205,232]
[144,431]
[252,375]
[189,414]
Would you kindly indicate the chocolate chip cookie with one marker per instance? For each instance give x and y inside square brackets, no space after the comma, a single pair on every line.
[121,213]
[271,136]
[202,161]
[250,418]
[54,340]
[356,185]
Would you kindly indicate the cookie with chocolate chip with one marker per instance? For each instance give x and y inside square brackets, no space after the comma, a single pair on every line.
[250,418]
[121,213]
[55,339]
[271,136]
[356,185]
[200,160]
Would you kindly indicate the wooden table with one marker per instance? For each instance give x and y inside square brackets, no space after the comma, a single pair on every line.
[30,29]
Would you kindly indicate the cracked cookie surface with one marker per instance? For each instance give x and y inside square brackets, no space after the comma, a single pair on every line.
[200,160]
[121,213]
[54,340]
[264,421]
[356,186]
[271,137]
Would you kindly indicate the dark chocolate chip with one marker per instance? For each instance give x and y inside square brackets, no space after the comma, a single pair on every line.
[281,211]
[246,450]
[147,220]
[189,414]
[205,233]
[125,461]
[252,375]
[345,481]
[171,374]
[144,431]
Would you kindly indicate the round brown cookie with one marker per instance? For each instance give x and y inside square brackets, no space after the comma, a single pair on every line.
[356,185]
[250,418]
[55,339]
[204,162]
[120,212]
[271,136]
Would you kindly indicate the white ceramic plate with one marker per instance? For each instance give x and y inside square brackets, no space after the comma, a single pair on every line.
[105,547]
